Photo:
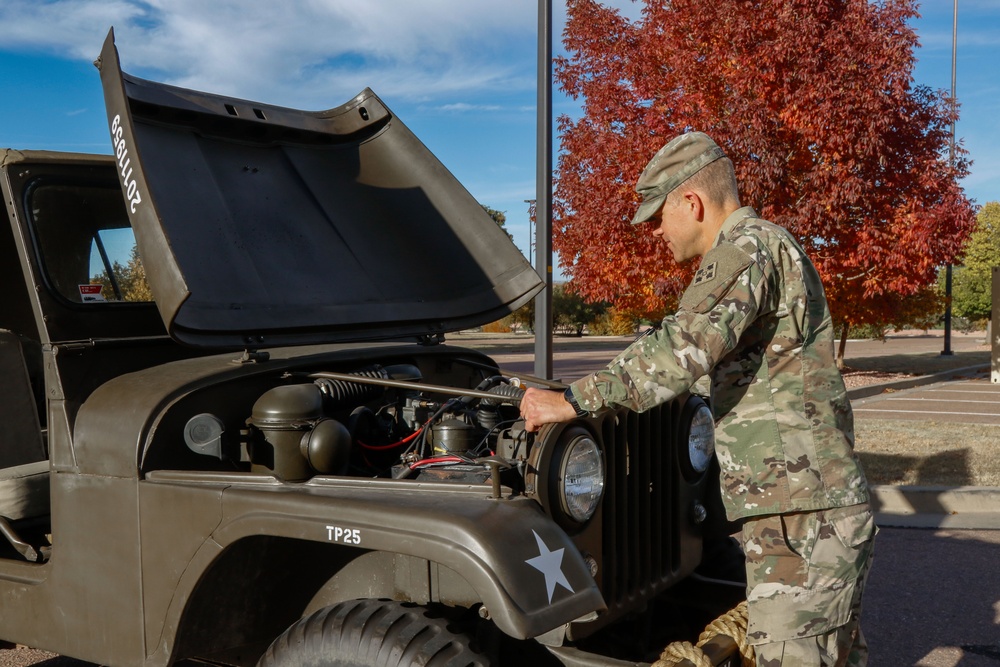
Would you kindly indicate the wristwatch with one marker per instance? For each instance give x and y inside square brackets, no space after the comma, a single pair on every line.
[571,399]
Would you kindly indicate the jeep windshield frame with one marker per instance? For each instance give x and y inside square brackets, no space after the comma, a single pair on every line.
[58,318]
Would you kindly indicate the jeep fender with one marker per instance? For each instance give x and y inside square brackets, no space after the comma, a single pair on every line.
[526,570]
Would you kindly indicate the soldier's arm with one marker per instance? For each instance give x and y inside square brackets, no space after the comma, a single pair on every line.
[713,314]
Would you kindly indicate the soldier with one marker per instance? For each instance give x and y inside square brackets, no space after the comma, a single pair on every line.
[754,321]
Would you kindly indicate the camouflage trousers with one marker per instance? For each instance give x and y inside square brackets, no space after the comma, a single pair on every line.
[805,577]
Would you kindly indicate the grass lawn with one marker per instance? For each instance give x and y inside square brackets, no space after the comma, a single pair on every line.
[927,453]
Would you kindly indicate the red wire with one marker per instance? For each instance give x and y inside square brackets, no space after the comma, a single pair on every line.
[438,459]
[382,448]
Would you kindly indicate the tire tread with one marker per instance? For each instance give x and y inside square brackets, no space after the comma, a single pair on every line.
[373,633]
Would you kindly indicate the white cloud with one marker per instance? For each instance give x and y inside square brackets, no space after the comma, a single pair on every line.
[464,107]
[298,52]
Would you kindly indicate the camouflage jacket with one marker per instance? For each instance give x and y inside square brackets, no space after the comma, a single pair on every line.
[754,320]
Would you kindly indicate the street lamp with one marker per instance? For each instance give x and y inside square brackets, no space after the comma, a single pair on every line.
[543,195]
[951,158]
[532,214]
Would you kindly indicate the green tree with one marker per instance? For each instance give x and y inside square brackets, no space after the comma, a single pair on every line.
[972,285]
[131,280]
[524,317]
[500,218]
[571,311]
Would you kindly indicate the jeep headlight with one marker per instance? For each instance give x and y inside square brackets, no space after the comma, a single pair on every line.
[581,478]
[701,439]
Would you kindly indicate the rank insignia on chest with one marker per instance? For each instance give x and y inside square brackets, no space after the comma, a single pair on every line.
[705,274]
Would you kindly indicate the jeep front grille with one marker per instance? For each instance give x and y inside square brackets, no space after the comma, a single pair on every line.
[640,541]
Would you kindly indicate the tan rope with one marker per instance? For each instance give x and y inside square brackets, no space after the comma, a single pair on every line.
[733,624]
[677,651]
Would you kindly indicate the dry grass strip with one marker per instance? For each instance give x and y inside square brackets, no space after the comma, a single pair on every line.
[928,453]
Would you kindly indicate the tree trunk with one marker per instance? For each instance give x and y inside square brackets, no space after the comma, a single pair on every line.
[843,346]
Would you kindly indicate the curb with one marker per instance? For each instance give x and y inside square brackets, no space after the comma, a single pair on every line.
[966,507]
[917,381]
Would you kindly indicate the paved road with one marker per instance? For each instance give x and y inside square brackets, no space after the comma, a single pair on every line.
[910,342]
[573,358]
[933,597]
[933,600]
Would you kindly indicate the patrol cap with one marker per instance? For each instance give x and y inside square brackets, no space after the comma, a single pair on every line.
[673,164]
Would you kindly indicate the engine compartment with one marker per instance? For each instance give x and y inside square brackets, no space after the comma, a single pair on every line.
[427,417]
[383,424]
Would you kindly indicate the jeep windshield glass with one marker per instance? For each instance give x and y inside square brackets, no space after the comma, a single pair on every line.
[94,259]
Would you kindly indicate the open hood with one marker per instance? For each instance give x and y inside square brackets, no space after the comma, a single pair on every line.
[262,226]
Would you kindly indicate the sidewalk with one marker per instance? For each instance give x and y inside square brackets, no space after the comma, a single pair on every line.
[965,507]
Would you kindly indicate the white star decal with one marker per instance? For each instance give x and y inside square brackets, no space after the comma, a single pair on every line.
[549,563]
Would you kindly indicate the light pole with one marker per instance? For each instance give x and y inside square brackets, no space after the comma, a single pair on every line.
[543,195]
[532,215]
[951,158]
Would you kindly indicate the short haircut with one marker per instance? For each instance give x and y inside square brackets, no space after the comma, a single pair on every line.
[716,180]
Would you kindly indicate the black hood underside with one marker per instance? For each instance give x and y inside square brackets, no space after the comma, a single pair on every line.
[262,226]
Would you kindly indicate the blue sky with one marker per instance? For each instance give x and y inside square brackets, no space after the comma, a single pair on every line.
[460,73]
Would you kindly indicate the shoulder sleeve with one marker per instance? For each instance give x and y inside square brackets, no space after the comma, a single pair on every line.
[716,277]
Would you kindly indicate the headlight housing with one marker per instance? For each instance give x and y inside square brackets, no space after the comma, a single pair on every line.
[581,478]
[565,473]
[701,439]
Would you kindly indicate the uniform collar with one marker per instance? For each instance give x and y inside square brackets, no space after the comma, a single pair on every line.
[732,221]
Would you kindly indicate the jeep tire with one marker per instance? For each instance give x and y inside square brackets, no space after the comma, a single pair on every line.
[373,633]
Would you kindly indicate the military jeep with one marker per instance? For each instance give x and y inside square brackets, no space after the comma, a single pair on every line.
[233,434]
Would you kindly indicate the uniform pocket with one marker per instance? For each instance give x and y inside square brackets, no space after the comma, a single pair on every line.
[795,613]
[814,589]
[853,525]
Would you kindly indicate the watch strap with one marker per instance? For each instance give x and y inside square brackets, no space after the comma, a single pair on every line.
[571,399]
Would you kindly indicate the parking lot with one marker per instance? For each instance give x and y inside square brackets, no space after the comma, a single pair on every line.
[933,598]
[972,401]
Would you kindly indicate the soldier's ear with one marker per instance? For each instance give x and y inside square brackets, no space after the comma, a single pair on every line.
[694,204]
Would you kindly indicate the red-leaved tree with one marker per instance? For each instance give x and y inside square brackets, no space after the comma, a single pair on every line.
[812,99]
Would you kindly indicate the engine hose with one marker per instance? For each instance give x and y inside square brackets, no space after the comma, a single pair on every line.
[491,381]
[341,394]
[488,414]
[485,385]
[504,391]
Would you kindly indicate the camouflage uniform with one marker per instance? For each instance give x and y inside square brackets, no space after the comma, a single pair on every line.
[806,572]
[755,320]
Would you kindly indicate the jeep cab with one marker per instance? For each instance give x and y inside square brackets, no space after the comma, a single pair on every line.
[233,434]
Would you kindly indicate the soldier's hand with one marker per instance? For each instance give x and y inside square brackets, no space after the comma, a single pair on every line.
[540,406]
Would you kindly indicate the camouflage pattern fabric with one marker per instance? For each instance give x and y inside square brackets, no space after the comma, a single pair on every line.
[754,320]
[805,578]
